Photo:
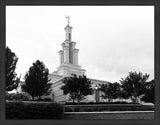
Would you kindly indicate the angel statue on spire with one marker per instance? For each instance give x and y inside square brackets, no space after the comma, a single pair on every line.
[68,18]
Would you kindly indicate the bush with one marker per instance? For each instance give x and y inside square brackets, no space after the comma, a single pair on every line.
[33,110]
[93,103]
[45,99]
[88,110]
[109,107]
[9,96]
[77,109]
[68,109]
[17,96]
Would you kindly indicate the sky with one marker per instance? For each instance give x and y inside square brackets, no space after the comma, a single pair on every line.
[113,40]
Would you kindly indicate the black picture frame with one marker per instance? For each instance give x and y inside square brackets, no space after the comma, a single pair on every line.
[155,3]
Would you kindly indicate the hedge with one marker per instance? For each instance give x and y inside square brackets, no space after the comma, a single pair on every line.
[108,107]
[93,103]
[44,100]
[16,96]
[33,110]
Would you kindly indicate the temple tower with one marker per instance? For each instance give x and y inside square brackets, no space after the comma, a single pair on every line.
[69,55]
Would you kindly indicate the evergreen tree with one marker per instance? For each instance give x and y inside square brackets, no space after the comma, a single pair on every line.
[36,80]
[77,87]
[12,80]
[134,85]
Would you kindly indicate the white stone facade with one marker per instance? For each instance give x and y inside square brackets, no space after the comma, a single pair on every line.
[60,97]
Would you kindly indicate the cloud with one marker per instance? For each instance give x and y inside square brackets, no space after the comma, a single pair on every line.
[111,44]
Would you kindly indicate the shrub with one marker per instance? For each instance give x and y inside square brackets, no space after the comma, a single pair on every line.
[20,96]
[45,99]
[68,109]
[9,96]
[93,103]
[17,96]
[110,107]
[13,110]
[77,109]
[33,110]
[88,110]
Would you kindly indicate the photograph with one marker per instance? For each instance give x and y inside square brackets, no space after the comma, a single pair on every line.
[79,62]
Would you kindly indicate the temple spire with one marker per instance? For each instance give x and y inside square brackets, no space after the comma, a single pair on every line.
[69,55]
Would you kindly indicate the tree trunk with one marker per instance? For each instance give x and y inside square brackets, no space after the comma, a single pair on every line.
[133,99]
[109,100]
[78,101]
[136,99]
[32,97]
[78,97]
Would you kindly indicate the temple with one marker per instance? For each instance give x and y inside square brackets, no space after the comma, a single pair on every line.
[69,65]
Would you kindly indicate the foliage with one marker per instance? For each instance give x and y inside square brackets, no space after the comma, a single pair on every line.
[36,80]
[95,103]
[8,96]
[33,110]
[110,90]
[44,100]
[12,80]
[149,94]
[133,85]
[108,107]
[16,96]
[77,87]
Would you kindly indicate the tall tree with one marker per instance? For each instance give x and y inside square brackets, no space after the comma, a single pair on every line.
[134,85]
[36,80]
[12,80]
[110,90]
[77,87]
[149,95]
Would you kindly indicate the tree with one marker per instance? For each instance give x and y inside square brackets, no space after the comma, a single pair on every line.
[134,85]
[110,90]
[12,80]
[149,94]
[77,87]
[36,80]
